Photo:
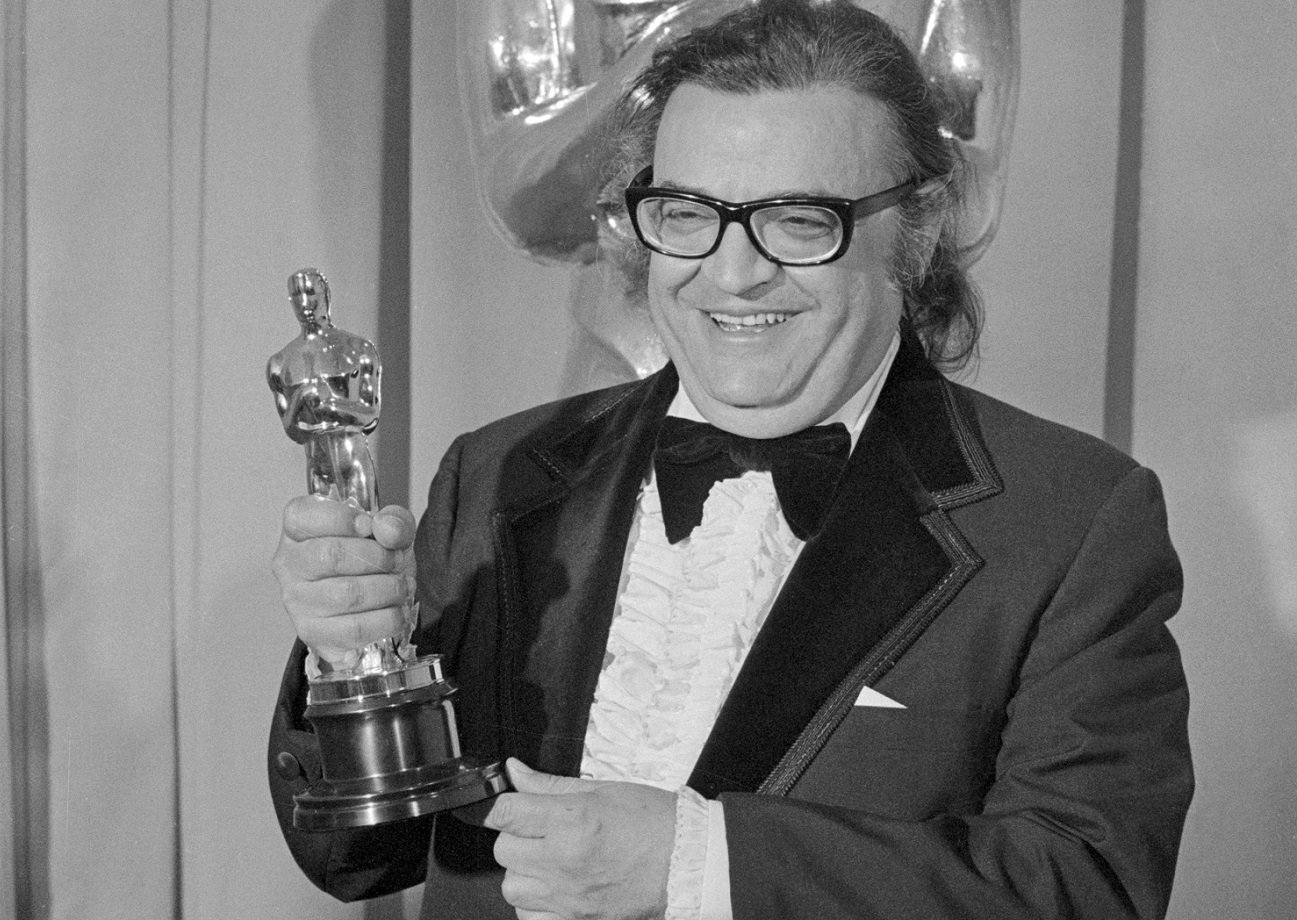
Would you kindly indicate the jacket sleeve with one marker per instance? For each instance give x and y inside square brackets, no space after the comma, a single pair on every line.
[365,862]
[1091,784]
[348,864]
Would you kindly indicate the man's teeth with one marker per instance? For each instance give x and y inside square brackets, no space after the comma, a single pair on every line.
[750,319]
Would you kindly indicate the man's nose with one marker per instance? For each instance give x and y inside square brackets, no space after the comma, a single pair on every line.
[736,266]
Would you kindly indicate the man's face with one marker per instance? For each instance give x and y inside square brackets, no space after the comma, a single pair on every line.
[762,349]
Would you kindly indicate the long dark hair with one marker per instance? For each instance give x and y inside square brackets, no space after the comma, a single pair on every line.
[791,44]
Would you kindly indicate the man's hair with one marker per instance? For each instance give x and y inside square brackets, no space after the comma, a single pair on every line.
[794,44]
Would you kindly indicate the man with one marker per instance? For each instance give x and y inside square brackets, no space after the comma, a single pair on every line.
[932,682]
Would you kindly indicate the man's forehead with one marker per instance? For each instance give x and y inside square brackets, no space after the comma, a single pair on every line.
[815,139]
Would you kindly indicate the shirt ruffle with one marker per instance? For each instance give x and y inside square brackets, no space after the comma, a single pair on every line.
[686,617]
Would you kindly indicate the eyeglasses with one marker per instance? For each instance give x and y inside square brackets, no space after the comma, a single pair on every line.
[787,231]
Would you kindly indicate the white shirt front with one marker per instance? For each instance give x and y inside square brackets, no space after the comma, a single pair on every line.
[685,619]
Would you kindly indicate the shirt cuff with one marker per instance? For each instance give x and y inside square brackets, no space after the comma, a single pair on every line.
[698,883]
[716,877]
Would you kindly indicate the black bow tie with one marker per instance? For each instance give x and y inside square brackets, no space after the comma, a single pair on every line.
[691,457]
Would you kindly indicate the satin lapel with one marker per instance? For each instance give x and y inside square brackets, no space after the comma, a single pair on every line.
[887,561]
[560,552]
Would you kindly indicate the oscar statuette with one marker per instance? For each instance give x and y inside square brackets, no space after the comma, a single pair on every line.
[385,720]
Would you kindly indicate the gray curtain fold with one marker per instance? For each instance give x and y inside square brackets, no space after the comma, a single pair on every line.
[26,718]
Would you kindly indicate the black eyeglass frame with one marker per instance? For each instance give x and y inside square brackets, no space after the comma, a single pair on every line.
[847,210]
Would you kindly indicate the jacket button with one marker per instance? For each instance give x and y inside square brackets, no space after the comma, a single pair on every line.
[288,767]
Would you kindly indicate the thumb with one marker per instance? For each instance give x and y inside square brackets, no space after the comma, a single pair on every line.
[394,527]
[525,779]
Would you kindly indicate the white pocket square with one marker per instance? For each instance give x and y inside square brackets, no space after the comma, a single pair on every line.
[871,697]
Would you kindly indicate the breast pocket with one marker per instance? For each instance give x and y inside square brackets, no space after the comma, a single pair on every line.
[907,763]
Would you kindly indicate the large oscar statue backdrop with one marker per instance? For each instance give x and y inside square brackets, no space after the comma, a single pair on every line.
[539,78]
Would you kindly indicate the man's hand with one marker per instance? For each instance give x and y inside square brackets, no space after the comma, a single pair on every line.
[342,589]
[580,849]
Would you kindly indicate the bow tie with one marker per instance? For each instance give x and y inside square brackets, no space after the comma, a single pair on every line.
[691,457]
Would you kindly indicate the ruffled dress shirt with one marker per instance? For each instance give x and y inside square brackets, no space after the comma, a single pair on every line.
[685,620]
[686,616]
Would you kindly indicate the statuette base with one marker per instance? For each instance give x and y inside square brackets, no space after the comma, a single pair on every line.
[390,750]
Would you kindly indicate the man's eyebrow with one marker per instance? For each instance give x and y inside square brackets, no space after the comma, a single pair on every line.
[782,193]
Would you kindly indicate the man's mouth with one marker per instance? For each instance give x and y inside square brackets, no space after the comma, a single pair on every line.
[751,322]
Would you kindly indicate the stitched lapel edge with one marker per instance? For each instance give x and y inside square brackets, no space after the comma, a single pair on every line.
[570,455]
[566,454]
[986,481]
[881,658]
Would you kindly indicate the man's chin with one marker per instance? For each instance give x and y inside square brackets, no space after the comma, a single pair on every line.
[753,418]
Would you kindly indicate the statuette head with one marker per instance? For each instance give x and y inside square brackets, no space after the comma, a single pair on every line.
[309,292]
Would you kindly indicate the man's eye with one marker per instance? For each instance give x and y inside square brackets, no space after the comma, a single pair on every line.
[803,223]
[683,214]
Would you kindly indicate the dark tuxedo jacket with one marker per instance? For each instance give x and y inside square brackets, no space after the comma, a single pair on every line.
[1005,579]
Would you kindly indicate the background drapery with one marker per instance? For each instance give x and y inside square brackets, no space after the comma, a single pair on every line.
[168,164]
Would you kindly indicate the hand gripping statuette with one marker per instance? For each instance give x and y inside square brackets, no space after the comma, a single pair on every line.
[385,721]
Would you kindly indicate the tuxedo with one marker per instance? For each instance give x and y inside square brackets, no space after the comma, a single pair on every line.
[1004,580]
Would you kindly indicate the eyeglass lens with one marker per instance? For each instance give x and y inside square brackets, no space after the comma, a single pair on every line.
[788,232]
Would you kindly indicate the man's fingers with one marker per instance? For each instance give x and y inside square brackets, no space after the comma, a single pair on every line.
[394,527]
[328,557]
[589,852]
[535,806]
[343,590]
[522,815]
[331,597]
[308,516]
[313,516]
[519,854]
[352,631]
[511,814]
[527,895]
[525,779]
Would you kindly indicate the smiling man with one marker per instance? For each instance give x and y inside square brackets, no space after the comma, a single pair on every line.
[763,348]
[796,627]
